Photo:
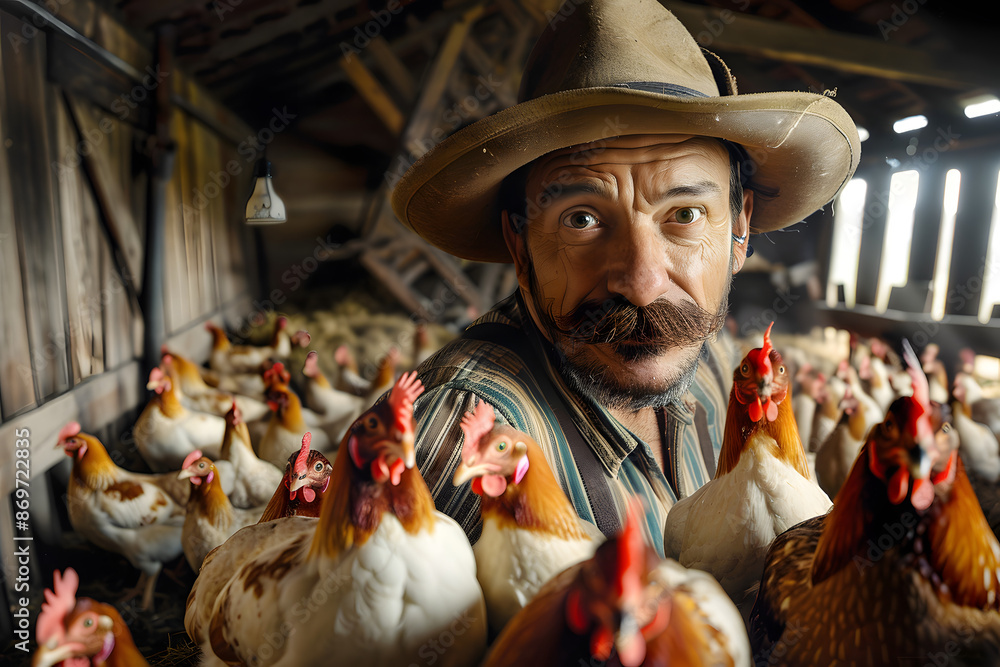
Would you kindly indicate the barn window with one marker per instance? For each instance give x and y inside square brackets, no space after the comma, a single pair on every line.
[898,235]
[991,272]
[946,238]
[846,243]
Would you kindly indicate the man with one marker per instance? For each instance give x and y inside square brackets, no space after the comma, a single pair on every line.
[622,187]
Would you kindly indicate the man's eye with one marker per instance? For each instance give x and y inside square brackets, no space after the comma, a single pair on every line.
[688,214]
[580,220]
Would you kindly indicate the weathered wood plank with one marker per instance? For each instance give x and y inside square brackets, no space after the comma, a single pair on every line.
[175,297]
[372,91]
[16,387]
[112,198]
[81,247]
[31,153]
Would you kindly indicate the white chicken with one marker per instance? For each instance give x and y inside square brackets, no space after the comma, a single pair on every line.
[530,530]
[229,358]
[762,486]
[288,424]
[135,515]
[338,409]
[836,455]
[197,395]
[166,432]
[373,581]
[253,480]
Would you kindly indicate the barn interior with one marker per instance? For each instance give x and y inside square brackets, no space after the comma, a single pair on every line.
[137,135]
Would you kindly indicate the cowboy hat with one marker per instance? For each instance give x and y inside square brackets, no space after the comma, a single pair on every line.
[605,68]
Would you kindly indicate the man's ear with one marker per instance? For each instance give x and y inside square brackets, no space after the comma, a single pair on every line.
[515,243]
[741,228]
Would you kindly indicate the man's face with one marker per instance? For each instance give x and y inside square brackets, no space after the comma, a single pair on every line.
[627,258]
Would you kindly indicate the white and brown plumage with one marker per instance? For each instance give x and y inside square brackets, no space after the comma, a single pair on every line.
[380,572]
[254,479]
[903,567]
[138,516]
[530,530]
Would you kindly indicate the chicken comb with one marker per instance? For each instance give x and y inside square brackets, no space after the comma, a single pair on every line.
[311,366]
[158,381]
[761,357]
[59,602]
[282,322]
[234,416]
[631,553]
[343,355]
[276,373]
[301,338]
[68,431]
[475,425]
[401,398]
[303,458]
[191,458]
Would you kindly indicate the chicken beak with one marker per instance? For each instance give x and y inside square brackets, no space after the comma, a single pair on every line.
[409,453]
[463,473]
[105,623]
[297,483]
[184,474]
[629,641]
[921,460]
[49,656]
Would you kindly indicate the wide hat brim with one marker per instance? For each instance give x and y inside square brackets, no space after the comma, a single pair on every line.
[802,145]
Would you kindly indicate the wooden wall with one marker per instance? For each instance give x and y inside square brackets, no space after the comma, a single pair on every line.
[73,190]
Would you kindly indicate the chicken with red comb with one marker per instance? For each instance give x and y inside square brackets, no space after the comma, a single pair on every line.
[289,421]
[301,489]
[337,408]
[81,632]
[903,567]
[762,487]
[531,531]
[625,606]
[371,582]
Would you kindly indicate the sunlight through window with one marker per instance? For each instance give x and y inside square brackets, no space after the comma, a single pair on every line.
[991,272]
[898,234]
[946,237]
[848,217]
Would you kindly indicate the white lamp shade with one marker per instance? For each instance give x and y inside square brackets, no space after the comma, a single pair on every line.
[264,207]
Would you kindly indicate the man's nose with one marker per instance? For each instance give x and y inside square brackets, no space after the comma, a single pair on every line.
[638,264]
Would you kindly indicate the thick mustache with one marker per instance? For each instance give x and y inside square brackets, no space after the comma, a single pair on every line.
[617,321]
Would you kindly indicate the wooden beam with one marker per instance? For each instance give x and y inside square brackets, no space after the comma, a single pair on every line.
[437,80]
[731,31]
[373,92]
[393,68]
[271,30]
[113,201]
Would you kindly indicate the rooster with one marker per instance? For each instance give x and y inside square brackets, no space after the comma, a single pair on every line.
[78,632]
[376,580]
[210,517]
[166,432]
[301,489]
[137,516]
[288,423]
[530,530]
[904,568]
[197,395]
[762,486]
[625,606]
[253,479]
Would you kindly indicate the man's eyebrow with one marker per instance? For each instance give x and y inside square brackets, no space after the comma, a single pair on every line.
[694,189]
[557,190]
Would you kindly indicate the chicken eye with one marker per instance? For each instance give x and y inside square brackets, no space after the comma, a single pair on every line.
[88,622]
[745,368]
[781,370]
[946,427]
[501,446]
[201,465]
[318,467]
[372,422]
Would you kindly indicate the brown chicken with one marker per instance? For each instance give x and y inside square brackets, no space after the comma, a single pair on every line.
[306,480]
[904,568]
[626,607]
[81,632]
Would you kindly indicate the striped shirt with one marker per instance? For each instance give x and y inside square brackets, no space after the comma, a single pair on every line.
[503,359]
